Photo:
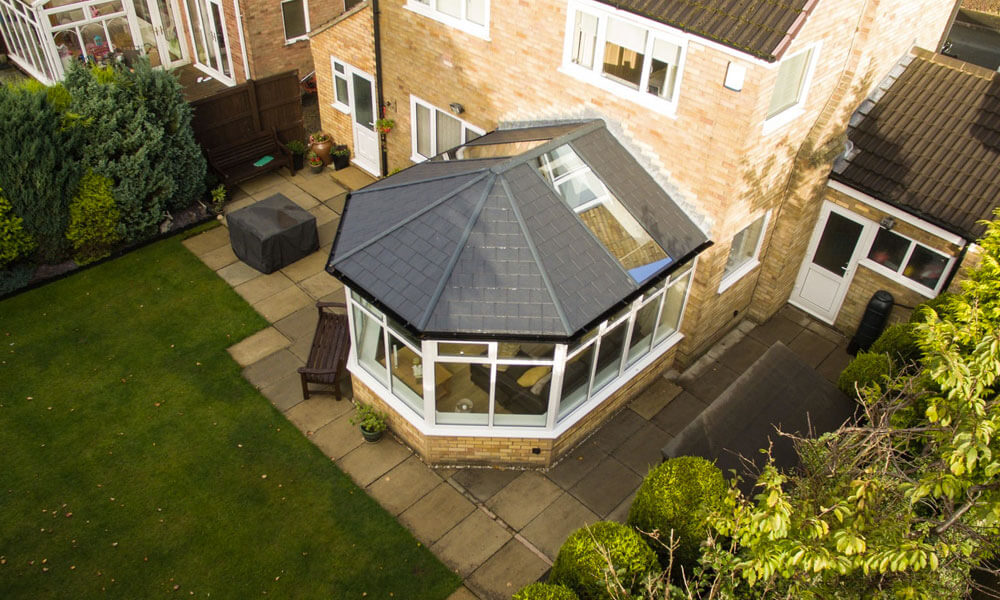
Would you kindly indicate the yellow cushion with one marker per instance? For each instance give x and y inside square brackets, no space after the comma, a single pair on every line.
[532,375]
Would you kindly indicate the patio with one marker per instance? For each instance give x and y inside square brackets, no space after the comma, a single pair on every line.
[499,529]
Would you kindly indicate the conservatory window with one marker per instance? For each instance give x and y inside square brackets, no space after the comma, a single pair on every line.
[609,355]
[407,370]
[576,376]
[369,344]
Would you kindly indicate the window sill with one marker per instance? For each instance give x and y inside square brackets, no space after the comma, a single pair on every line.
[342,108]
[417,159]
[730,280]
[302,38]
[649,101]
[480,31]
[783,118]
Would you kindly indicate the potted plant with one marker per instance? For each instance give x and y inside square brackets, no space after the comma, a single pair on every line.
[371,422]
[384,125]
[341,156]
[315,162]
[321,144]
[298,150]
[218,200]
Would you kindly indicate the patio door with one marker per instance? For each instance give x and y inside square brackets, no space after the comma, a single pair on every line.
[830,263]
[210,39]
[363,115]
[157,21]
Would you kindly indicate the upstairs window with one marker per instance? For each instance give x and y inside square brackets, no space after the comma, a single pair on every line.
[744,251]
[790,87]
[471,16]
[295,18]
[624,55]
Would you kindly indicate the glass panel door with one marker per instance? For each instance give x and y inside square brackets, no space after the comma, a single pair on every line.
[209,36]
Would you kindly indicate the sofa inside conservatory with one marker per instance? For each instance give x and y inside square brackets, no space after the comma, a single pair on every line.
[509,295]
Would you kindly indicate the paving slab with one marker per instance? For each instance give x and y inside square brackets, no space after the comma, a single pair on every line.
[263,287]
[220,257]
[682,410]
[336,204]
[522,499]
[511,568]
[744,353]
[811,347]
[311,415]
[619,428]
[262,182]
[641,451]
[300,348]
[234,205]
[257,346]
[606,486]
[834,364]
[282,304]
[320,186]
[337,438]
[284,393]
[203,243]
[300,324]
[776,329]
[484,483]
[576,464]
[827,332]
[463,593]
[321,284]
[408,482]
[552,526]
[271,368]
[324,214]
[351,178]
[437,513]
[470,543]
[655,397]
[237,273]
[326,232]
[308,266]
[369,461]
[710,382]
[620,513]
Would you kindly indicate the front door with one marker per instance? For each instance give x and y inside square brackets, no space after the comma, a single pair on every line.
[830,263]
[366,139]
[210,40]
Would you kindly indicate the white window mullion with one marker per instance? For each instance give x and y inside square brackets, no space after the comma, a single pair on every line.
[555,389]
[428,353]
[906,258]
[602,38]
[647,63]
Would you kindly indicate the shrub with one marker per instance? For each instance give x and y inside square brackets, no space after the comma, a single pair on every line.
[867,370]
[678,495]
[15,242]
[898,342]
[581,563]
[93,220]
[921,312]
[545,591]
[15,277]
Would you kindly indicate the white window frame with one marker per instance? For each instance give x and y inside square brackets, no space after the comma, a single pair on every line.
[344,107]
[305,15]
[429,9]
[793,112]
[739,272]
[897,275]
[594,74]
[466,127]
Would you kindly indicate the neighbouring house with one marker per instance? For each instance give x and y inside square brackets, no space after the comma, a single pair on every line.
[228,41]
[735,113]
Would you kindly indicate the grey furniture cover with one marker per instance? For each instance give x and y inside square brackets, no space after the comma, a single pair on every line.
[272,233]
[777,391]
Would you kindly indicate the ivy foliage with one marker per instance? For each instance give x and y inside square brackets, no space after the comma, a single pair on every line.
[93,220]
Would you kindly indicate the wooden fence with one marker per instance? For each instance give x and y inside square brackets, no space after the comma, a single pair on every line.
[256,105]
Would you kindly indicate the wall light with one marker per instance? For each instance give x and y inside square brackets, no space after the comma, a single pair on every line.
[887,223]
[456,108]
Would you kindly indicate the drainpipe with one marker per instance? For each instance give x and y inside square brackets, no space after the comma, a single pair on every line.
[383,155]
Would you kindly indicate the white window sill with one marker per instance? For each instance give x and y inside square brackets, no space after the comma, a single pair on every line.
[416,158]
[342,108]
[730,280]
[783,118]
[649,101]
[480,31]
[901,280]
[301,38]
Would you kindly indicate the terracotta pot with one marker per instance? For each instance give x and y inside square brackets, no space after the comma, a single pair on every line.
[322,149]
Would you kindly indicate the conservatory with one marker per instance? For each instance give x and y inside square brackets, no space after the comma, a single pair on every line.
[508,294]
[43,37]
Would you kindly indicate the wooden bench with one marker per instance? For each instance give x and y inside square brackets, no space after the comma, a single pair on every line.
[234,163]
[331,344]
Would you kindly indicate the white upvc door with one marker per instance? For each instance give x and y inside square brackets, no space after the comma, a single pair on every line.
[832,258]
[363,114]
[210,39]
[154,27]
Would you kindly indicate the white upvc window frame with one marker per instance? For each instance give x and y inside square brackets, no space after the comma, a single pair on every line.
[344,107]
[897,275]
[305,14]
[428,8]
[594,74]
[730,279]
[415,156]
[793,112]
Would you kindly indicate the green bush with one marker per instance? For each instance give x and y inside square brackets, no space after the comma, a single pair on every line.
[898,342]
[15,277]
[581,563]
[15,242]
[545,591]
[921,313]
[866,370]
[678,495]
[93,220]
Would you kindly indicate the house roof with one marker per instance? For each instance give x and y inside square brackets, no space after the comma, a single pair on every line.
[928,142]
[488,247]
[763,28]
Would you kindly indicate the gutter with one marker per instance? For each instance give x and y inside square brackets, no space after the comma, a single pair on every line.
[380,98]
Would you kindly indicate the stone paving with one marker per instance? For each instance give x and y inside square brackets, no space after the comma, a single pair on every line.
[500,529]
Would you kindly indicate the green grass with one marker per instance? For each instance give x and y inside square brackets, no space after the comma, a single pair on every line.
[133,455]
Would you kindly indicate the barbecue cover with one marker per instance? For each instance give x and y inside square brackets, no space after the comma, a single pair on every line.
[272,233]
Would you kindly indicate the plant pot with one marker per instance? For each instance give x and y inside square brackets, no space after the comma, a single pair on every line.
[297,162]
[371,436]
[316,168]
[341,162]
[322,149]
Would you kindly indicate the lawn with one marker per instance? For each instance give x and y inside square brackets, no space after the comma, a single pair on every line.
[135,461]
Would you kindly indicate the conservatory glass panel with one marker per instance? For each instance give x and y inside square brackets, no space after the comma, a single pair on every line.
[673,307]
[609,356]
[461,393]
[576,380]
[120,34]
[407,374]
[369,344]
[522,394]
[642,330]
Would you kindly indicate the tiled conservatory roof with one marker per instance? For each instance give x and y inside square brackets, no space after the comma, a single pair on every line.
[487,247]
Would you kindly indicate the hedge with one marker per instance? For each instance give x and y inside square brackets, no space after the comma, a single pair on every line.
[545,591]
[581,564]
[867,370]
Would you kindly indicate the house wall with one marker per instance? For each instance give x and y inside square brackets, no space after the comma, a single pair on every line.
[464,450]
[265,34]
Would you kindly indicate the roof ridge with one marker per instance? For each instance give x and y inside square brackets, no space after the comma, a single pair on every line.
[459,247]
[534,254]
[412,217]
